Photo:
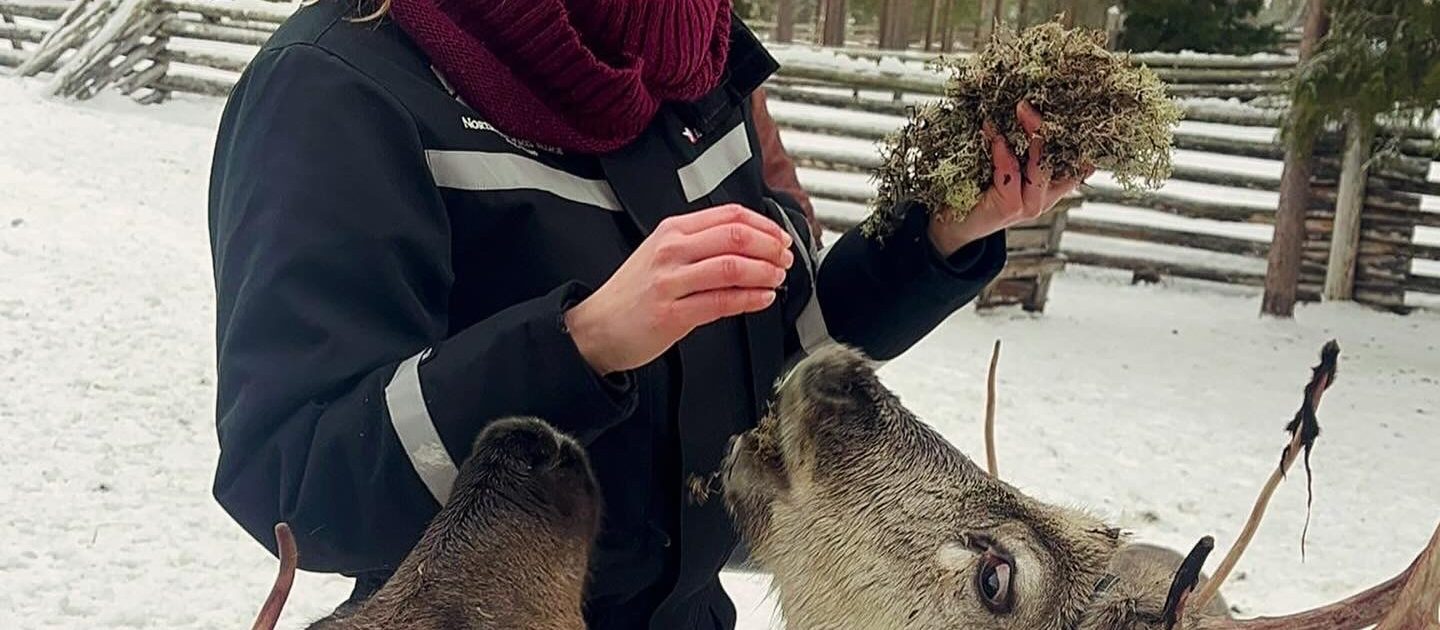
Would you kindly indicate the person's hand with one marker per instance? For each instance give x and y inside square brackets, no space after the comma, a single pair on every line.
[1011,198]
[692,270]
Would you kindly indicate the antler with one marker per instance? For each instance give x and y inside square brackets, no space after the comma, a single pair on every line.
[1409,601]
[1303,431]
[990,414]
[280,591]
[1186,577]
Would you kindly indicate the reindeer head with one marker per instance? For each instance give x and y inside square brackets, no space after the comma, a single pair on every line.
[869,519]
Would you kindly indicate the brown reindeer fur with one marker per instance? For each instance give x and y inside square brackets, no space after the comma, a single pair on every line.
[510,548]
[866,518]
[869,519]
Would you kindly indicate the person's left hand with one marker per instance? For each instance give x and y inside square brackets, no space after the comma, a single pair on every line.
[1011,198]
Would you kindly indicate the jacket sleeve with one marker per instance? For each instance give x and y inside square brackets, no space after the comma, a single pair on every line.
[345,400]
[884,296]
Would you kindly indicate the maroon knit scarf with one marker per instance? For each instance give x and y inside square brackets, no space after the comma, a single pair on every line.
[582,75]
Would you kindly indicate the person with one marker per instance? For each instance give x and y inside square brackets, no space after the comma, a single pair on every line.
[435,214]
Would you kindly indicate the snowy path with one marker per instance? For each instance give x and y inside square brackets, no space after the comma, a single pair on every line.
[1159,407]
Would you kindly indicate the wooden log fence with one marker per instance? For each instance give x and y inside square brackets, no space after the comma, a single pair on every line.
[1266,79]
[1387,247]
[139,48]
[1422,141]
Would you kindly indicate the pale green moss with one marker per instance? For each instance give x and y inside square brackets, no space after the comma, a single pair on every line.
[1099,110]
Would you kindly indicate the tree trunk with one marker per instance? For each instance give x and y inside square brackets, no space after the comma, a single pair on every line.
[947,29]
[1282,273]
[985,26]
[901,26]
[979,24]
[895,25]
[999,14]
[931,23]
[834,23]
[784,21]
[1071,8]
[1020,18]
[1349,202]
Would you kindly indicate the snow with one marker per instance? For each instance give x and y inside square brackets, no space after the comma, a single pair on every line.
[835,60]
[272,10]
[1228,163]
[1074,242]
[851,121]
[861,184]
[874,95]
[1231,132]
[107,384]
[1183,55]
[1153,218]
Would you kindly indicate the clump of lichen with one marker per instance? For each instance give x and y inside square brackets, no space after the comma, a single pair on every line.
[1099,110]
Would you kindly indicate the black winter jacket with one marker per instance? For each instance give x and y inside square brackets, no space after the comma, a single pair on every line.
[391,275]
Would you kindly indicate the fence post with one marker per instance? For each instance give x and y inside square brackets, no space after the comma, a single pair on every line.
[1114,25]
[15,40]
[96,53]
[70,30]
[1349,201]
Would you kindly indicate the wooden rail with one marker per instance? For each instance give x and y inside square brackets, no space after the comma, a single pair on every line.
[145,57]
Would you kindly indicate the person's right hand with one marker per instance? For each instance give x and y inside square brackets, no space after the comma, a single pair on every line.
[692,270]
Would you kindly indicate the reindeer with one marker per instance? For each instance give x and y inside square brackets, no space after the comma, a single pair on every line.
[866,518]
[509,549]
[869,519]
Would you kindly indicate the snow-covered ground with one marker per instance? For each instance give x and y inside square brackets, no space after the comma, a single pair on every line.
[1160,407]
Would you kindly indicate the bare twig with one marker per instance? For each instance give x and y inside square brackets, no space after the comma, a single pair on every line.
[990,462]
[1304,428]
[289,561]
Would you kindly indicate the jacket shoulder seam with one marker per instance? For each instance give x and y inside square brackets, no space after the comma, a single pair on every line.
[368,77]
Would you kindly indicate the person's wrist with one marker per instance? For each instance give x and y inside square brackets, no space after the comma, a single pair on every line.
[581,323]
[949,237]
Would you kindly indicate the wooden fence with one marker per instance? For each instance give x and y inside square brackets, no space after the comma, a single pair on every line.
[833,104]
[1210,222]
[145,48]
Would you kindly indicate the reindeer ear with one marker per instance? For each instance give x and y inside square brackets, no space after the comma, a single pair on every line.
[1186,578]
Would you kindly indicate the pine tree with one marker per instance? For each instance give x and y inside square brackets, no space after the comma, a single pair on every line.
[1381,58]
[1216,26]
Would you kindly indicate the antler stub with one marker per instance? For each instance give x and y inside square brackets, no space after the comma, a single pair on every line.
[1186,577]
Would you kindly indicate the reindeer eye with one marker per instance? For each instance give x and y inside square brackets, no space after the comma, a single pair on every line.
[993,581]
